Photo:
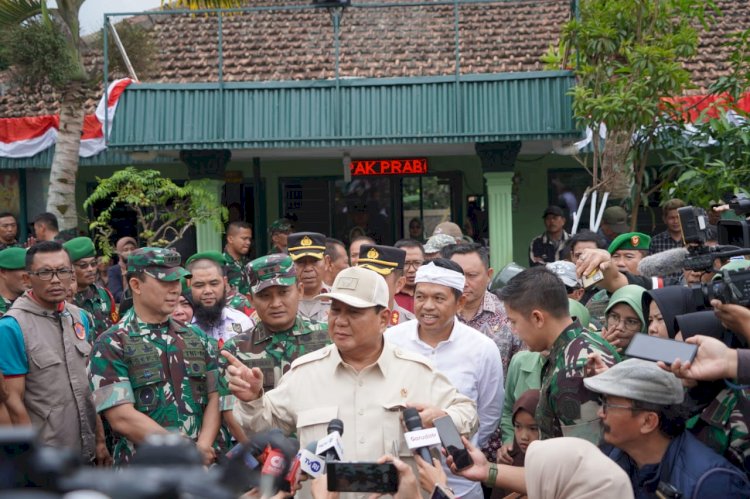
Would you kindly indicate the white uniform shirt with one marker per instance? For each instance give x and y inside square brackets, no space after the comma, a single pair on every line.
[472,362]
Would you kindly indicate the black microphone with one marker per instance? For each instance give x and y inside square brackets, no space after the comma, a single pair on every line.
[413,423]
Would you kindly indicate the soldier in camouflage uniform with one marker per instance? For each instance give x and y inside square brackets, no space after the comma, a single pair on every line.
[150,373]
[239,240]
[282,334]
[91,297]
[278,232]
[537,305]
[725,426]
[12,271]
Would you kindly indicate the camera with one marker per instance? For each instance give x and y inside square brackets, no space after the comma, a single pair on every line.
[733,287]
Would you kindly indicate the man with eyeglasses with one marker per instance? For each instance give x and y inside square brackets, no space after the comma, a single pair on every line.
[96,300]
[643,422]
[43,355]
[8,230]
[415,258]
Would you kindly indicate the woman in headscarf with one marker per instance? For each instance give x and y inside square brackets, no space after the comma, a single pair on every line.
[525,426]
[624,316]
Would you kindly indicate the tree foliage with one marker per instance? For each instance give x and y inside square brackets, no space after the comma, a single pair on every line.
[713,160]
[163,209]
[627,55]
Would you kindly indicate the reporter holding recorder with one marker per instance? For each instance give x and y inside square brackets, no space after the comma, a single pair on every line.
[359,379]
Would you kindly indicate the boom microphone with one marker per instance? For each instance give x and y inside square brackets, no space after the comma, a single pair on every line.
[664,263]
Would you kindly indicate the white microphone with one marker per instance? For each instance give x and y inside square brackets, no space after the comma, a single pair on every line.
[309,462]
[331,446]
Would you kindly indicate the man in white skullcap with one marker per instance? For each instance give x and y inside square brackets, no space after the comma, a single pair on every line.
[469,359]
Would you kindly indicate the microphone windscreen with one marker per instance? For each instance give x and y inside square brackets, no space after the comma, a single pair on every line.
[336,425]
[664,263]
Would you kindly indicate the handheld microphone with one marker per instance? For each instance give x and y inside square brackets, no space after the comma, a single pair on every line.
[310,463]
[664,263]
[281,452]
[414,423]
[331,446]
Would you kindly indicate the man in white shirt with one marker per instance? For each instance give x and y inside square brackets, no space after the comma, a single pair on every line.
[208,288]
[468,358]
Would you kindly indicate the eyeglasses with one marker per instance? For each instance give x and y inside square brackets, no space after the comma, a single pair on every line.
[631,324]
[46,275]
[86,265]
[606,406]
[416,264]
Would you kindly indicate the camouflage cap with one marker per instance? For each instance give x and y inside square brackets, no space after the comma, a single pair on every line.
[280,225]
[276,269]
[79,248]
[160,263]
[438,242]
[13,258]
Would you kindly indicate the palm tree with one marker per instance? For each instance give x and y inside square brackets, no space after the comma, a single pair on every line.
[63,20]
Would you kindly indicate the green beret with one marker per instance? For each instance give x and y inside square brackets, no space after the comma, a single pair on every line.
[13,258]
[214,256]
[630,241]
[80,247]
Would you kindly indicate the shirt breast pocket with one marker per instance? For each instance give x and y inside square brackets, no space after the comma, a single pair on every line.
[393,431]
[42,358]
[312,424]
[147,381]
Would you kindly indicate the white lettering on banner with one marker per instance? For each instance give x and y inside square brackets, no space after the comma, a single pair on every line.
[422,438]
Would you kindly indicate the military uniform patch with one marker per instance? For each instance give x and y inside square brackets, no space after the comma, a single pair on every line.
[79,330]
[236,327]
[394,317]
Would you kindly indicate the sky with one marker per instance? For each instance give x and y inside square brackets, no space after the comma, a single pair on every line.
[92,11]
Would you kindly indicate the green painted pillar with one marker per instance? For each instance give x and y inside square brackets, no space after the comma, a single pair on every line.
[209,165]
[498,163]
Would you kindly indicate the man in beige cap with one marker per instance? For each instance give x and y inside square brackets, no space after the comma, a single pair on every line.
[450,229]
[359,379]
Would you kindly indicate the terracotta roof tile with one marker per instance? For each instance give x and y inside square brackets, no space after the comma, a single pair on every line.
[383,42]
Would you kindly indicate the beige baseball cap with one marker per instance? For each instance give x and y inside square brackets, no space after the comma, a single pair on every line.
[359,287]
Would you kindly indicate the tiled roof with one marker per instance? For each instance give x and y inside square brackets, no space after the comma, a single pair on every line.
[392,41]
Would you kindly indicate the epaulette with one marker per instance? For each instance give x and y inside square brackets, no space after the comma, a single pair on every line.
[319,354]
[414,357]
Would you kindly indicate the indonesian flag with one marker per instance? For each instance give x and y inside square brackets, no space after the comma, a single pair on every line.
[26,137]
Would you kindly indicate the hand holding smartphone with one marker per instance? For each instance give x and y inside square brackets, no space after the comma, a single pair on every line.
[451,440]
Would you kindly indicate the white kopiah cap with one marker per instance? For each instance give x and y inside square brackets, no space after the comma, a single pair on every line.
[359,287]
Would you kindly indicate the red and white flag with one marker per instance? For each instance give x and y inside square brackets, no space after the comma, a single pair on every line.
[28,136]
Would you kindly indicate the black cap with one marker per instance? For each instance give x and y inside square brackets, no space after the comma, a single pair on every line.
[381,259]
[306,244]
[554,210]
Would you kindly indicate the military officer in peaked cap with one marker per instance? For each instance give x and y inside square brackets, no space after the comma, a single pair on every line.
[306,250]
[388,262]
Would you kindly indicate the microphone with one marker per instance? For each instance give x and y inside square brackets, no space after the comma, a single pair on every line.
[414,423]
[307,462]
[331,446]
[664,263]
[277,464]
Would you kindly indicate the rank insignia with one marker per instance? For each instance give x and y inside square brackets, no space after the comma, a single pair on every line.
[115,316]
[373,253]
[306,241]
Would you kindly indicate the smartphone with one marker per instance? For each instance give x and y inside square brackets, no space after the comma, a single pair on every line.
[362,477]
[592,278]
[451,440]
[440,492]
[646,347]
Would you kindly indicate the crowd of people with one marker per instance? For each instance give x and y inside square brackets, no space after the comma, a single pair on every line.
[531,365]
